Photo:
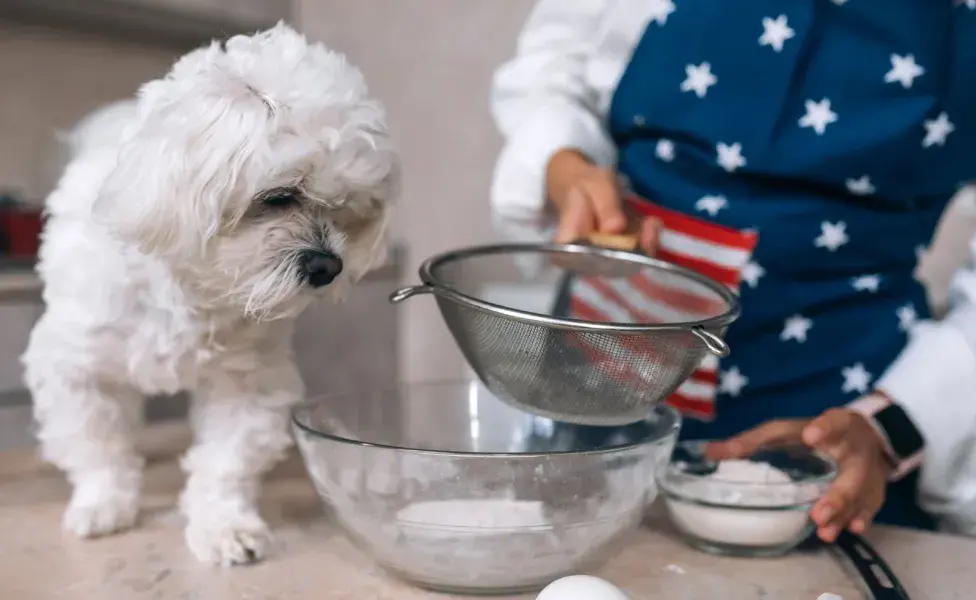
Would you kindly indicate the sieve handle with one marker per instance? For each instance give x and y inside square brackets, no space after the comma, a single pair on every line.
[409,292]
[715,344]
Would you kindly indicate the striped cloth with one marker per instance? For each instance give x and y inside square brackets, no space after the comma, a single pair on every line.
[712,250]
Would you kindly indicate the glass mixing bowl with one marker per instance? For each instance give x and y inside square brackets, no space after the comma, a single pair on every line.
[723,511]
[447,487]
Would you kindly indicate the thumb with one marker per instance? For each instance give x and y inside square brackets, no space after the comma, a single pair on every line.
[828,428]
[576,219]
[605,199]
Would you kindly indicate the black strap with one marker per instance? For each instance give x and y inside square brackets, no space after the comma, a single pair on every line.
[875,572]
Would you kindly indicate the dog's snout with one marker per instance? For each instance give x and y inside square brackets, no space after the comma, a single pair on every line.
[320,268]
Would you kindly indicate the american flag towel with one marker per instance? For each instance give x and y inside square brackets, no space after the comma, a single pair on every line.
[712,250]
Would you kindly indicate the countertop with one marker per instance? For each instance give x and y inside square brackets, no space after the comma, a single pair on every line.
[314,562]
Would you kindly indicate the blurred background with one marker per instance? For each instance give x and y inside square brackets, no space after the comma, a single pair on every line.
[429,61]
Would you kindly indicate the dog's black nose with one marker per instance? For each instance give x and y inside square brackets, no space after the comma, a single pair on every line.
[320,268]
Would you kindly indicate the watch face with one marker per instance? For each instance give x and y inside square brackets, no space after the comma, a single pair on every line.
[904,437]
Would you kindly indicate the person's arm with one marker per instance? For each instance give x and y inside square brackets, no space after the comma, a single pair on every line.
[542,103]
[928,408]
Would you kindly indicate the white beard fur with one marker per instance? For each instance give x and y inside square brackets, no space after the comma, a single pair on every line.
[164,270]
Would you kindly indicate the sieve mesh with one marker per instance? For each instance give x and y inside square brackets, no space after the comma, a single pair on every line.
[619,333]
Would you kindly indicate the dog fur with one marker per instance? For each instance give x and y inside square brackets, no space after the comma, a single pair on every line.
[165,269]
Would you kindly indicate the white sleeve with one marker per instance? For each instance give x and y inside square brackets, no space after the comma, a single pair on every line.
[542,103]
[934,381]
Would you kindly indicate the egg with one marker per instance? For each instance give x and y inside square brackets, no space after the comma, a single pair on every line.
[581,587]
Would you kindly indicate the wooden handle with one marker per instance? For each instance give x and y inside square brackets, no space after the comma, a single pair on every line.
[614,241]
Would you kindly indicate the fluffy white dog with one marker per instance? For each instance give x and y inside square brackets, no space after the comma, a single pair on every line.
[190,228]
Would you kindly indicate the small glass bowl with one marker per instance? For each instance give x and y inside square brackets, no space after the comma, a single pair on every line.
[726,514]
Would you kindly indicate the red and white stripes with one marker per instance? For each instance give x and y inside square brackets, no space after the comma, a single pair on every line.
[715,251]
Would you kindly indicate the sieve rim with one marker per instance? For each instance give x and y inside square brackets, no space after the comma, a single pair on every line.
[427,276]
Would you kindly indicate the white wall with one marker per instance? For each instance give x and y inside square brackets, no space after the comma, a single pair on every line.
[430,61]
[49,78]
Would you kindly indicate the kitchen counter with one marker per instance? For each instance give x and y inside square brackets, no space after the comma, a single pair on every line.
[314,562]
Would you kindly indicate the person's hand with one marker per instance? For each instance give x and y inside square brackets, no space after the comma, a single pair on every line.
[848,438]
[587,199]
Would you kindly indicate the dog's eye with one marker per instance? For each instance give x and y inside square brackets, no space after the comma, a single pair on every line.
[281,200]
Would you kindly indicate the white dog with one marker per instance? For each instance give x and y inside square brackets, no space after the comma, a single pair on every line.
[188,231]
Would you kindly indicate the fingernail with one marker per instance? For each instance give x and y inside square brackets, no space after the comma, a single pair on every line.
[829,533]
[858,526]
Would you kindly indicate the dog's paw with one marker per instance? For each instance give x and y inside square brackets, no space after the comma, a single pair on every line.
[238,540]
[90,519]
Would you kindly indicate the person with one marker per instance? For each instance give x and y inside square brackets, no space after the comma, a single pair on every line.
[836,132]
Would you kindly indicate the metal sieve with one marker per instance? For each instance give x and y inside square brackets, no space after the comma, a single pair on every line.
[577,333]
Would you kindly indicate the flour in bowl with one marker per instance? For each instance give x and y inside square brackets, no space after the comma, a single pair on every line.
[766,514]
[481,543]
[479,514]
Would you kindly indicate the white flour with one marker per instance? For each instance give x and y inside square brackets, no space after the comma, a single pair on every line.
[489,542]
[483,514]
[763,525]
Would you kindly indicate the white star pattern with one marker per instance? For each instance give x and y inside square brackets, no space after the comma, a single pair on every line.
[661,10]
[775,33]
[904,70]
[832,235]
[751,273]
[907,316]
[818,116]
[664,150]
[866,283]
[856,379]
[699,79]
[732,381]
[730,156]
[861,186]
[796,328]
[937,130]
[711,204]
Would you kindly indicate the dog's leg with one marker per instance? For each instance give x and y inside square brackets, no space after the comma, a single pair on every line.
[241,426]
[84,427]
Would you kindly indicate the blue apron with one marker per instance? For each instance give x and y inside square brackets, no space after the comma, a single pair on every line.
[838,131]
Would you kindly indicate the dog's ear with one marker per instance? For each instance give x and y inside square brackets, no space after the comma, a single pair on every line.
[368,246]
[372,245]
[178,171]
